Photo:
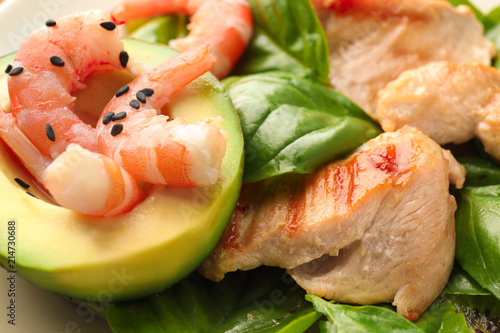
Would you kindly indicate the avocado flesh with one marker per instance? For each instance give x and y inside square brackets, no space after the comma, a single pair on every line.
[159,242]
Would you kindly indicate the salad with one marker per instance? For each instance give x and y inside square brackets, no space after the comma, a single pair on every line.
[267,299]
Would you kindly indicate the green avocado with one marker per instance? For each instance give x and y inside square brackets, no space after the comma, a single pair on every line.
[139,253]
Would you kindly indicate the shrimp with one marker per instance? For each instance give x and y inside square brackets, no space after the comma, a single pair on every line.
[225,24]
[91,183]
[52,63]
[86,182]
[62,152]
[133,133]
[28,154]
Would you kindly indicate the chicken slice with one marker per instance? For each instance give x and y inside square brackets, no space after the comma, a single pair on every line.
[452,103]
[375,227]
[372,41]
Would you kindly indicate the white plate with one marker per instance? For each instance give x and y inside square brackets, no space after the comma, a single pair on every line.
[486,5]
[37,310]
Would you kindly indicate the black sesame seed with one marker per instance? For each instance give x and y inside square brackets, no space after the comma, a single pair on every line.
[50,23]
[108,25]
[56,61]
[487,312]
[135,104]
[16,71]
[148,92]
[117,129]
[49,131]
[141,97]
[8,68]
[34,196]
[119,116]
[124,58]
[21,183]
[122,90]
[107,118]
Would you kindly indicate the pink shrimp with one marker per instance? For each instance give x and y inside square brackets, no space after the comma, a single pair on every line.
[86,182]
[133,133]
[52,63]
[91,183]
[225,24]
[27,153]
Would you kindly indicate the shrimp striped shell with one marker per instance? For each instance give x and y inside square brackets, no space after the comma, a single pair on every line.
[52,63]
[91,182]
[86,182]
[146,143]
[225,24]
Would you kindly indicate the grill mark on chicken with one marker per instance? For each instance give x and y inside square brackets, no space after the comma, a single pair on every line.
[339,183]
[296,210]
[382,217]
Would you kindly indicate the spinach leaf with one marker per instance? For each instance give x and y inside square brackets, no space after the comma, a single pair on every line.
[442,317]
[261,300]
[287,37]
[481,311]
[294,125]
[494,15]
[461,283]
[492,31]
[480,171]
[162,29]
[474,290]
[352,319]
[478,235]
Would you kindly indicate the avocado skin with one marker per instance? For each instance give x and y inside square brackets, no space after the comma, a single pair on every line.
[139,253]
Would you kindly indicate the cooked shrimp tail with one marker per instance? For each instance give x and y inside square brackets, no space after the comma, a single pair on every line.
[225,24]
[27,153]
[91,183]
[86,182]
[153,148]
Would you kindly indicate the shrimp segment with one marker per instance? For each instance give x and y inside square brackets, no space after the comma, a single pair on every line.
[91,183]
[78,179]
[54,62]
[153,149]
[225,24]
[28,154]
[86,182]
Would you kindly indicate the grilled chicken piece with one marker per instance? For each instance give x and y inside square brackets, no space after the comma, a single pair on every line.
[452,103]
[372,41]
[375,227]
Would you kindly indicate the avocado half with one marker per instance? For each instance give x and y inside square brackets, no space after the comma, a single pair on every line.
[159,242]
